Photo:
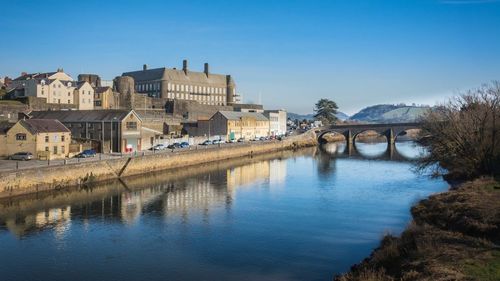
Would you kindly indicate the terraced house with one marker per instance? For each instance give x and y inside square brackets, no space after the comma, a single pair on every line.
[44,138]
[203,87]
[56,88]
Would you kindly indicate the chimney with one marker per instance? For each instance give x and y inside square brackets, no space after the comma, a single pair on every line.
[205,69]
[185,66]
[144,67]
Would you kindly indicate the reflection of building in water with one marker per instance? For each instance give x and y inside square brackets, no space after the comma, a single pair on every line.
[247,174]
[57,218]
[278,170]
[162,195]
[133,202]
[194,194]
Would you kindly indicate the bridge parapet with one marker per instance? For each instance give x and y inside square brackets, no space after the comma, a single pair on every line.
[390,130]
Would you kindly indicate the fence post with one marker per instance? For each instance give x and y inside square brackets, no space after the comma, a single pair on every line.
[17,165]
[48,161]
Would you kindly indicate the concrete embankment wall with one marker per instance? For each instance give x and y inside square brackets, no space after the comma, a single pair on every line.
[27,181]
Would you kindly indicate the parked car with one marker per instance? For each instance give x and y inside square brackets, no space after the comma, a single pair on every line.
[23,156]
[158,147]
[217,141]
[86,153]
[207,142]
[231,141]
[174,145]
[241,140]
[184,144]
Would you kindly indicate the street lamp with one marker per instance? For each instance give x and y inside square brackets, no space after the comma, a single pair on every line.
[111,136]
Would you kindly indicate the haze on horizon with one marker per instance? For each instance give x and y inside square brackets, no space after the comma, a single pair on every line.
[289,53]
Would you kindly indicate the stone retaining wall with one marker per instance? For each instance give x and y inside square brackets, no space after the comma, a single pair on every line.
[27,181]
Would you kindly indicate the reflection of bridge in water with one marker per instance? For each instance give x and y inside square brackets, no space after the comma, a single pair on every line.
[350,150]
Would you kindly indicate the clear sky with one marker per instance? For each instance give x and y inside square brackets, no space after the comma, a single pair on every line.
[289,53]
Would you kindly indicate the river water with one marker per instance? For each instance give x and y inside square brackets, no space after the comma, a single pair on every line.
[303,215]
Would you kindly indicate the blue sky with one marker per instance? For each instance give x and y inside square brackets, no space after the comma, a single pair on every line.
[288,53]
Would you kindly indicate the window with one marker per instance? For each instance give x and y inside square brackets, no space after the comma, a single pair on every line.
[69,101]
[46,138]
[47,148]
[63,150]
[20,137]
[55,149]
[55,138]
[69,94]
[131,125]
[62,138]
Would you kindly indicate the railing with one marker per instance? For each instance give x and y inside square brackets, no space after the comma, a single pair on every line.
[10,165]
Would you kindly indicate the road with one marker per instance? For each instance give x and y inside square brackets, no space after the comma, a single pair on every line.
[9,165]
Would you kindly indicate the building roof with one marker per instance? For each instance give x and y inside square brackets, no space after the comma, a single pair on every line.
[100,90]
[236,115]
[83,115]
[248,106]
[27,76]
[5,126]
[177,75]
[44,126]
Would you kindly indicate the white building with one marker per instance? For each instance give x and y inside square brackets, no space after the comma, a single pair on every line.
[56,88]
[277,121]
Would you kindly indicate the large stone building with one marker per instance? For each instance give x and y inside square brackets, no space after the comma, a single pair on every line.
[113,130]
[55,88]
[182,84]
[230,125]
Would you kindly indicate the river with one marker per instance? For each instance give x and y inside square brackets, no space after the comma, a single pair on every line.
[303,215]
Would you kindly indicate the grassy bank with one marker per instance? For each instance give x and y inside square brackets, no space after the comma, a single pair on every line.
[454,235]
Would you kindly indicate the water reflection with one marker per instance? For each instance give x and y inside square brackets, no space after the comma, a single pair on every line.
[177,192]
[283,216]
[399,151]
[169,193]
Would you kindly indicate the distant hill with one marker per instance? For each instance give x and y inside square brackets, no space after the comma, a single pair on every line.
[293,116]
[390,113]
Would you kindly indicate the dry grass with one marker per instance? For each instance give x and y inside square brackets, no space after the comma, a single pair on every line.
[454,236]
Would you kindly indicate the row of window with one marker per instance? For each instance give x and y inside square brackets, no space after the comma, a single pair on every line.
[55,149]
[54,100]
[196,89]
[22,137]
[55,138]
[147,87]
[186,96]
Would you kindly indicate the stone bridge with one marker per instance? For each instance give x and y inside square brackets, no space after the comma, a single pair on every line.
[390,130]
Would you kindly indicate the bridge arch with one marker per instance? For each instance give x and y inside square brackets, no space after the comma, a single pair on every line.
[350,131]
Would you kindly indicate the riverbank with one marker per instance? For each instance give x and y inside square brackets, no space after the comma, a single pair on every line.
[454,235]
[26,181]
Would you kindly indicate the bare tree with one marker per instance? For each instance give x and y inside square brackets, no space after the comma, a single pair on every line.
[462,135]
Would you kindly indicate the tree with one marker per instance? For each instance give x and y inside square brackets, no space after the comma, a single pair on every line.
[463,135]
[326,111]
